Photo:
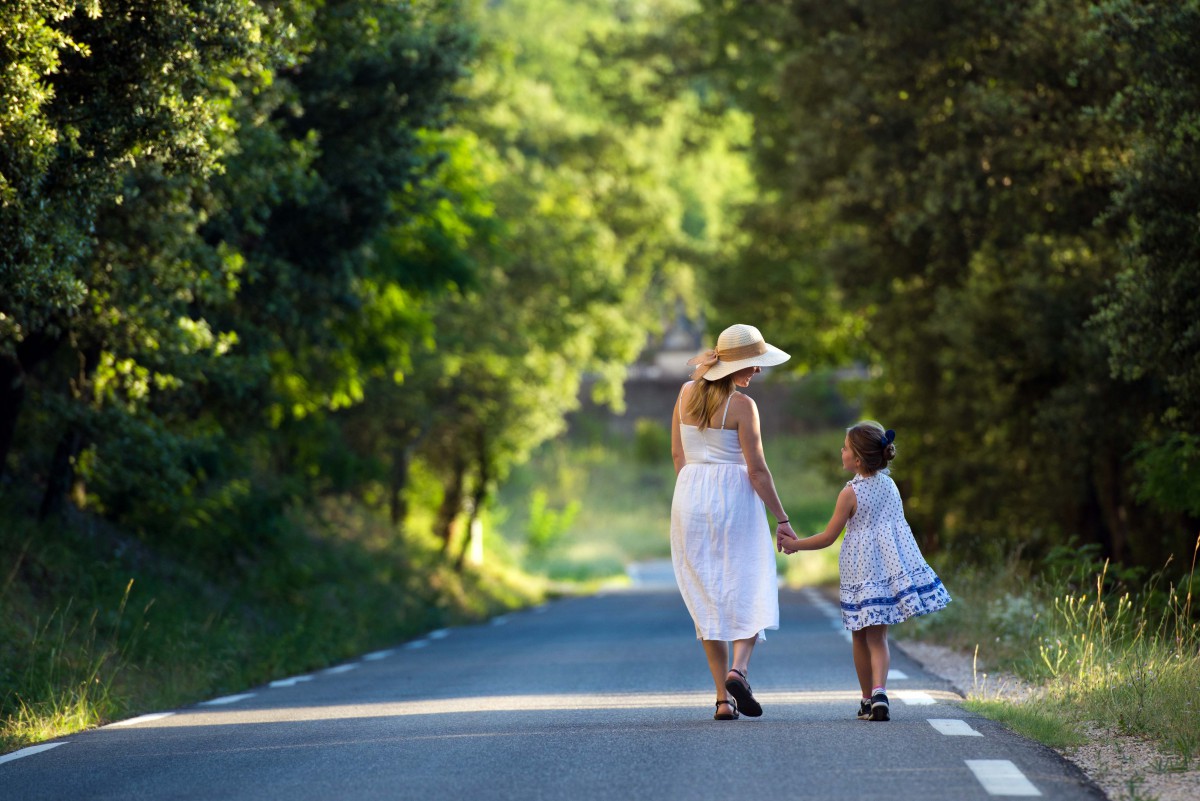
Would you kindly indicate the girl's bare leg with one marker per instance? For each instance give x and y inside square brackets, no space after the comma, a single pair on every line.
[862,661]
[881,658]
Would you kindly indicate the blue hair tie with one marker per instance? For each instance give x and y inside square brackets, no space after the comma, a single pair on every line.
[888,437]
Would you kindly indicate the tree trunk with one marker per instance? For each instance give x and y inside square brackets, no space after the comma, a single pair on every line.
[451,504]
[1108,485]
[478,498]
[13,372]
[62,471]
[12,396]
[62,464]
[401,458]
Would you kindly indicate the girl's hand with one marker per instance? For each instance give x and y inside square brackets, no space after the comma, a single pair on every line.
[790,546]
[784,533]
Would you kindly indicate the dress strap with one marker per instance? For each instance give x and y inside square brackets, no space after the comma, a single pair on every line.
[726,410]
[679,402]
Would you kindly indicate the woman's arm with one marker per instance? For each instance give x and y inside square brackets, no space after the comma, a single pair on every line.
[677,454]
[842,511]
[750,438]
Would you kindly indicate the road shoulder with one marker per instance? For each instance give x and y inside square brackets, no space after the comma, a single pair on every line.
[1124,767]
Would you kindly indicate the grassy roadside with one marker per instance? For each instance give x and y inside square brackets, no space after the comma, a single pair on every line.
[1100,646]
[95,627]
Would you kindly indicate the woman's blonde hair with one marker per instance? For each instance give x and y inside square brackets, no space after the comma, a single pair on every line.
[872,444]
[706,397]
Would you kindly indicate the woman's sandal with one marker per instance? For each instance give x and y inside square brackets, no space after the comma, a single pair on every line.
[732,714]
[740,689]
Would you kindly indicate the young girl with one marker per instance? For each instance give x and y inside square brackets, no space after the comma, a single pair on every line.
[884,578]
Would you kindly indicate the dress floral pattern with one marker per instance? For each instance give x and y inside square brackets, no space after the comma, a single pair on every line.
[884,578]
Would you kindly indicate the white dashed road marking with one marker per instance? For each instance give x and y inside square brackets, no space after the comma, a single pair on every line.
[228,699]
[896,675]
[916,698]
[440,634]
[499,621]
[1001,777]
[416,644]
[30,751]
[377,655]
[953,727]
[292,682]
[141,719]
[333,671]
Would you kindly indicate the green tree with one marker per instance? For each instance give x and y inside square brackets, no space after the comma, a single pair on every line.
[1148,315]
[940,176]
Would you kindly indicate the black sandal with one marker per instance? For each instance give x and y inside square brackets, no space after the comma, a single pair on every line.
[731,715]
[740,689]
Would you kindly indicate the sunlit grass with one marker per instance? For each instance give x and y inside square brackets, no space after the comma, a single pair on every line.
[1045,724]
[1125,658]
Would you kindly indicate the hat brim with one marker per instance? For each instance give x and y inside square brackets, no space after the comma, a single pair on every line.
[772,357]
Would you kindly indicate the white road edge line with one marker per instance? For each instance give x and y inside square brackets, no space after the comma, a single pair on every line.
[440,634]
[897,675]
[1001,777]
[416,644]
[228,699]
[953,727]
[30,751]
[140,719]
[500,621]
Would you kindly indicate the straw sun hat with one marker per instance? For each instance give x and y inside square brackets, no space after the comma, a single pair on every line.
[738,347]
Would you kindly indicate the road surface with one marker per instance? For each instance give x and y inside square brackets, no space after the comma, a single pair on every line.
[604,697]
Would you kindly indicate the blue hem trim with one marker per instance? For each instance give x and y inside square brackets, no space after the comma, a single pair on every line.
[892,600]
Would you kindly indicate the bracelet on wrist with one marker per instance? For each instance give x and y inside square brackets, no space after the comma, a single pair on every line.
[781,522]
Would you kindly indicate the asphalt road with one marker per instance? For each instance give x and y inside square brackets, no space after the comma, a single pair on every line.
[604,697]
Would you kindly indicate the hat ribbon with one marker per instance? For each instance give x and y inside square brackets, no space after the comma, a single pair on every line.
[711,356]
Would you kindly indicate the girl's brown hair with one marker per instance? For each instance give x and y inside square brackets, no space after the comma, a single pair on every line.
[872,444]
[706,397]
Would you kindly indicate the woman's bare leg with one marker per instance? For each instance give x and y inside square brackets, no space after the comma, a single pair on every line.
[717,652]
[742,649]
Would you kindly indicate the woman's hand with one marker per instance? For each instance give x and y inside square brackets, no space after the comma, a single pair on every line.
[784,533]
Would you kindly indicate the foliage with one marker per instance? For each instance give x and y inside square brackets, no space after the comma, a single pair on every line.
[991,204]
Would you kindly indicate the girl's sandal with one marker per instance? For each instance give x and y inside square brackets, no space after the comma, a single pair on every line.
[732,714]
[739,688]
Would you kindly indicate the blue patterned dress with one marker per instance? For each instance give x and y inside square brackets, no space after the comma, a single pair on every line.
[884,577]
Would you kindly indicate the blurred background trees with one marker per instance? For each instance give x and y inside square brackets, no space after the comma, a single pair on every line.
[255,254]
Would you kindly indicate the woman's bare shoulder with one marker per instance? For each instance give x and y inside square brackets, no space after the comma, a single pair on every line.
[743,403]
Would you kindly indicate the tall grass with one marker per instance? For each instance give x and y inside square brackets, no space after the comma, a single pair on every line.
[1115,651]
[68,680]
[98,626]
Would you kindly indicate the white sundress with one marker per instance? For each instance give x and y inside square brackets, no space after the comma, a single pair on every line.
[884,577]
[724,561]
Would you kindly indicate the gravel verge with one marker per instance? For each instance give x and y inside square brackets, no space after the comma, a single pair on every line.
[1125,767]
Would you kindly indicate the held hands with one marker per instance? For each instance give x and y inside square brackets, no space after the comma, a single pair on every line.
[789,546]
[784,534]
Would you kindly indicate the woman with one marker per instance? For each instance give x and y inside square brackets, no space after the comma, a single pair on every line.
[724,565]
